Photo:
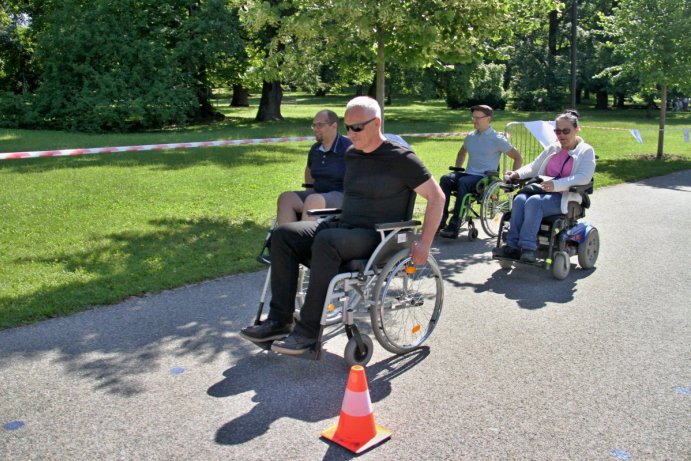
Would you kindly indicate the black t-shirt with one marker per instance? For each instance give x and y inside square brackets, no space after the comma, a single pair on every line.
[377,185]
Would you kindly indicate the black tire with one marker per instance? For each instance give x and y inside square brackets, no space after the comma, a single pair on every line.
[589,249]
[561,265]
[354,356]
[506,265]
[408,303]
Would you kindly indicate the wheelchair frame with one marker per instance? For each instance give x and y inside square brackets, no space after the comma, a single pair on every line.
[559,236]
[387,285]
[493,201]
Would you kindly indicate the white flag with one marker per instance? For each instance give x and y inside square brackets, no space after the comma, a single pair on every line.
[637,134]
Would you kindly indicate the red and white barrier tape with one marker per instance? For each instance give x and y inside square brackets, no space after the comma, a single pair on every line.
[227,142]
[182,145]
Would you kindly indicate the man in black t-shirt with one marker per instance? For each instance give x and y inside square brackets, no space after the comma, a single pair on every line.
[380,177]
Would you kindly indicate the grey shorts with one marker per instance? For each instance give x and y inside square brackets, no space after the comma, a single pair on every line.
[333,199]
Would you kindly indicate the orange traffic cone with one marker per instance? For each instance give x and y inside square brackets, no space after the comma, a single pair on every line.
[356,429]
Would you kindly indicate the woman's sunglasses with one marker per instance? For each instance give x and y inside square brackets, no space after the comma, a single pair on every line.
[559,131]
[358,127]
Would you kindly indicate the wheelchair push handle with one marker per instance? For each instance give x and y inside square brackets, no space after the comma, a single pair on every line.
[457,169]
[307,185]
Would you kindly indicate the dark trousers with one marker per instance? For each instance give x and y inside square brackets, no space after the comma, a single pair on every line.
[323,247]
[462,183]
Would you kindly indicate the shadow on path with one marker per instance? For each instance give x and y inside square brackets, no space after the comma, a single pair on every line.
[307,393]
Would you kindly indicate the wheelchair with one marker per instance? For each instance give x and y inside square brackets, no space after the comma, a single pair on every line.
[404,301]
[493,202]
[559,237]
[264,257]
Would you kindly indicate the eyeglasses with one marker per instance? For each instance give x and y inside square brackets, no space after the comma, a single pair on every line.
[319,125]
[559,131]
[358,127]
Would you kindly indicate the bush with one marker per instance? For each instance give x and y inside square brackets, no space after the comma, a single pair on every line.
[478,83]
[17,110]
[539,79]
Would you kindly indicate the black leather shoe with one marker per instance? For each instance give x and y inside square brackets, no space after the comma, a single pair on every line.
[295,344]
[449,232]
[270,330]
[528,256]
[506,251]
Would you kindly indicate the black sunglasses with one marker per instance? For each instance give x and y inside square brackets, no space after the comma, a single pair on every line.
[564,131]
[358,127]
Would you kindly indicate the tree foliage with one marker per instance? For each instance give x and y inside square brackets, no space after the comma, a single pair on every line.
[651,38]
[131,64]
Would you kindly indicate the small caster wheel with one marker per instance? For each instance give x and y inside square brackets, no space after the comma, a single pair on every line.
[506,265]
[561,265]
[472,234]
[354,356]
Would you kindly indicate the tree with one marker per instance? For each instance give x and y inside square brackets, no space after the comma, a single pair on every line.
[651,38]
[372,33]
[131,64]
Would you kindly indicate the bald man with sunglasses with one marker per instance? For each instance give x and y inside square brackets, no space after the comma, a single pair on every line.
[380,177]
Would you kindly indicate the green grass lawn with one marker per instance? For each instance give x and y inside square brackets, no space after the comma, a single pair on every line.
[96,229]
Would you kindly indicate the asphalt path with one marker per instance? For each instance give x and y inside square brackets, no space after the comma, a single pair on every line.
[521,366]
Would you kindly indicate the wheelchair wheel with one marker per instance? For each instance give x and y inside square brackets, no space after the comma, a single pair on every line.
[561,265]
[506,265]
[408,303]
[472,233]
[354,356]
[495,202]
[589,249]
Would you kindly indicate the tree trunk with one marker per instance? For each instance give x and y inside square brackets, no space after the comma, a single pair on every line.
[663,114]
[601,100]
[552,33]
[380,73]
[574,41]
[619,100]
[270,103]
[241,97]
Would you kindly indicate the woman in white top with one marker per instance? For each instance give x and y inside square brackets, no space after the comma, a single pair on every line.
[569,162]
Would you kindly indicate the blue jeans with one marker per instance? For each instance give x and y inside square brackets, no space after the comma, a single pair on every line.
[526,216]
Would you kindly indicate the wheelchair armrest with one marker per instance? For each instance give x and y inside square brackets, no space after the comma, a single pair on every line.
[457,168]
[516,184]
[491,173]
[397,225]
[323,211]
[308,186]
[582,189]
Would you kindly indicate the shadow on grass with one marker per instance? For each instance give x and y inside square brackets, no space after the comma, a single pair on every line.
[115,266]
[114,347]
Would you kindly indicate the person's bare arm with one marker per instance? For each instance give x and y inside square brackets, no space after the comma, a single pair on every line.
[517,159]
[308,176]
[460,157]
[430,191]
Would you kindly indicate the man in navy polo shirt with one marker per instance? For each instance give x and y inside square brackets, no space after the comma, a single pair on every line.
[483,147]
[324,171]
